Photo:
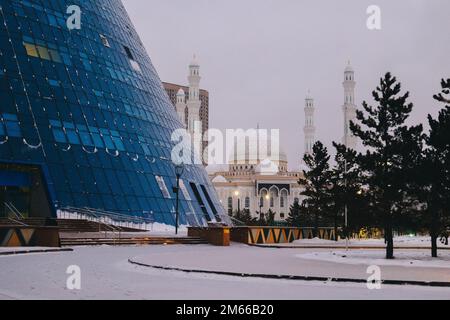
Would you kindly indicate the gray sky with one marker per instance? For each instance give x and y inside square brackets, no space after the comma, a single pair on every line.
[259,57]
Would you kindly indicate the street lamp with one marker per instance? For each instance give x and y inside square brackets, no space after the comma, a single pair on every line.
[179,170]
[342,158]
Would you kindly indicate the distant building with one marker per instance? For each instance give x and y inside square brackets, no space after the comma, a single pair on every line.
[258,185]
[349,107]
[85,121]
[309,129]
[191,102]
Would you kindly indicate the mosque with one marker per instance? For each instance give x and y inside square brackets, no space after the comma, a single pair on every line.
[260,185]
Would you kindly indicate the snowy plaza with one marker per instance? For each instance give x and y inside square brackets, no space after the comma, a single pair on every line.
[128,272]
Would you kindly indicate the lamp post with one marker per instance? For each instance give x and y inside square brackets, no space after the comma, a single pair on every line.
[341,158]
[179,170]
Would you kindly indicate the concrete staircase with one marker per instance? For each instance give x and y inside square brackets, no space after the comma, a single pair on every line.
[74,232]
[75,225]
[35,222]
[123,241]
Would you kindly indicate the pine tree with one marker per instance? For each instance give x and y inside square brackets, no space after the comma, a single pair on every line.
[345,189]
[436,172]
[270,218]
[392,149]
[295,216]
[245,217]
[316,183]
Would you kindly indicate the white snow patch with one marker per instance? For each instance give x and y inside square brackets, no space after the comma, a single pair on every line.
[410,258]
[405,241]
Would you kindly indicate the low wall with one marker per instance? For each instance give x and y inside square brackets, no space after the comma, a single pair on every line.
[272,235]
[217,236]
[29,236]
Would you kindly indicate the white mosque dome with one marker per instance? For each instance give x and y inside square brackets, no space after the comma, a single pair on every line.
[247,152]
[181,92]
[219,179]
[267,167]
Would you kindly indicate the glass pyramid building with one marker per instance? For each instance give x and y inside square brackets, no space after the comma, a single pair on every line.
[84,119]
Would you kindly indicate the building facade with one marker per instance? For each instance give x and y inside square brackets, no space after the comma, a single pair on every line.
[309,130]
[258,184]
[191,102]
[349,107]
[85,120]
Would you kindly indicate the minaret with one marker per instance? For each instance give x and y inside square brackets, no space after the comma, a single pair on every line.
[181,105]
[349,107]
[194,123]
[309,129]
[194,102]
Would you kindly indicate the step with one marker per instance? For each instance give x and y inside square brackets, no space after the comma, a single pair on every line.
[130,241]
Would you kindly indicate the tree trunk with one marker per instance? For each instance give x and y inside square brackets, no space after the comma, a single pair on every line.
[434,249]
[336,228]
[316,225]
[434,232]
[388,235]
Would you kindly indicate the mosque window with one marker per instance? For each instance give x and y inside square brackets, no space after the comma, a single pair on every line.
[230,205]
[247,202]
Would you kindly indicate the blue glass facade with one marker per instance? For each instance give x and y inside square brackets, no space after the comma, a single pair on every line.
[87,107]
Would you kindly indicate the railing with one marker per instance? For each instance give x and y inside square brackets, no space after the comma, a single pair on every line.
[112,219]
[18,216]
[236,223]
[10,206]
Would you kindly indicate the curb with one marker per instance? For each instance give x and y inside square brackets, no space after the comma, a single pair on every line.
[339,247]
[19,252]
[297,278]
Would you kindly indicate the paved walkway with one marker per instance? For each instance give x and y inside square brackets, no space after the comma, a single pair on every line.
[106,274]
[8,251]
[243,259]
[342,246]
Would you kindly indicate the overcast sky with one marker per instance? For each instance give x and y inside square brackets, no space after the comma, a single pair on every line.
[259,57]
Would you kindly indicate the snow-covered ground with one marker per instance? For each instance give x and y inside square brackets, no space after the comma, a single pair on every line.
[107,274]
[404,241]
[410,258]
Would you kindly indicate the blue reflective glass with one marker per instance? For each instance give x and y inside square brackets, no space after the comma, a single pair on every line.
[13,129]
[59,135]
[84,93]
[72,136]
